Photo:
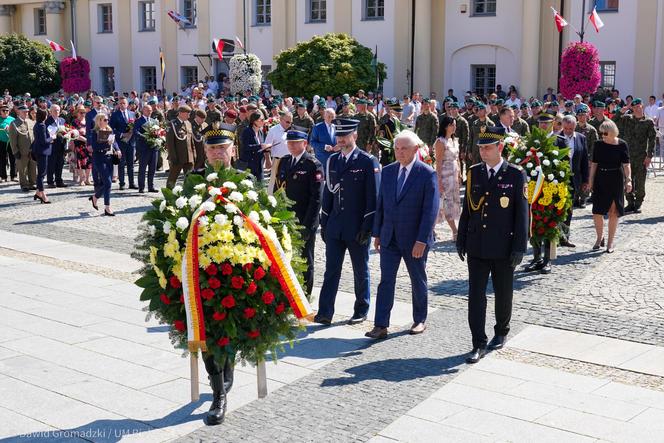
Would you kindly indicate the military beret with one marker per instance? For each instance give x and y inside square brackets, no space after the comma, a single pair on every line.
[426,100]
[295,135]
[184,108]
[41,99]
[152,101]
[569,103]
[536,103]
[230,98]
[491,135]
[554,103]
[321,102]
[301,105]
[492,102]
[175,96]
[514,106]
[637,101]
[525,105]
[500,102]
[582,109]
[481,106]
[545,117]
[599,104]
[270,106]
[87,103]
[454,105]
[231,113]
[210,100]
[22,107]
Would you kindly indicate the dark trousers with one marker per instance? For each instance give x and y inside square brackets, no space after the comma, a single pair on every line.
[147,160]
[335,250]
[502,277]
[174,172]
[126,162]
[103,171]
[542,251]
[390,259]
[309,256]
[7,154]
[42,167]
[56,163]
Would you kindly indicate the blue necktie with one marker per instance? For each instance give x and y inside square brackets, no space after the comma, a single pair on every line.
[401,180]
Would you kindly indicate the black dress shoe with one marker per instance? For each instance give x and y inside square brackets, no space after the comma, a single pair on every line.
[141,191]
[356,319]
[567,244]
[534,266]
[546,268]
[51,186]
[637,210]
[133,187]
[152,190]
[497,342]
[629,208]
[121,187]
[60,185]
[322,320]
[475,355]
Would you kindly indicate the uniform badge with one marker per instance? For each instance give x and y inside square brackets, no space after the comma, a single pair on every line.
[319,176]
[525,191]
[482,129]
[504,201]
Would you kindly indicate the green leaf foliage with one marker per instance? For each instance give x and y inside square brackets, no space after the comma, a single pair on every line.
[27,66]
[330,64]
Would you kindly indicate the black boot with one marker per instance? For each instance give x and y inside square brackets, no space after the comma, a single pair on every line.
[229,368]
[217,410]
[536,263]
[546,265]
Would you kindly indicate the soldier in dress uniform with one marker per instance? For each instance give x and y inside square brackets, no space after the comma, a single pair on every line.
[426,124]
[387,128]
[301,118]
[493,234]
[21,136]
[212,114]
[494,110]
[198,127]
[366,129]
[598,115]
[479,125]
[157,112]
[318,115]
[462,133]
[180,145]
[172,113]
[349,204]
[519,126]
[300,174]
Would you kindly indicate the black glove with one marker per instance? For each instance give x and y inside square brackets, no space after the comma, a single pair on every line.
[516,258]
[363,237]
[306,234]
[322,233]
[17,156]
[461,250]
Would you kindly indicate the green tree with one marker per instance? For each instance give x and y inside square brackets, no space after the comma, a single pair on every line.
[27,66]
[331,64]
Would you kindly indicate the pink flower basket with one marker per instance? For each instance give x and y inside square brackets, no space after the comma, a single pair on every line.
[579,68]
[75,74]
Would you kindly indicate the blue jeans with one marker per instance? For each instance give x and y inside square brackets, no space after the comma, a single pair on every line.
[126,162]
[103,168]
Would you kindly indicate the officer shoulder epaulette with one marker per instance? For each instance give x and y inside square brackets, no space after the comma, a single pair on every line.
[476,165]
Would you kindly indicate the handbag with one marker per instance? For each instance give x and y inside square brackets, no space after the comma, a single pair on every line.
[115,158]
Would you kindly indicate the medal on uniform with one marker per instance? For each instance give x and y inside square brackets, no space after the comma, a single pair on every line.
[504,201]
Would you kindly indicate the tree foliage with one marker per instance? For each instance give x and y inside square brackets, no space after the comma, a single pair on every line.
[27,66]
[331,64]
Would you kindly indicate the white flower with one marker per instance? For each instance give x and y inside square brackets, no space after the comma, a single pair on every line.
[556,162]
[215,191]
[200,186]
[550,177]
[529,165]
[528,154]
[177,189]
[203,221]
[546,162]
[208,206]
[181,202]
[167,227]
[229,185]
[533,173]
[272,200]
[182,223]
[555,182]
[236,196]
[538,168]
[253,215]
[509,140]
[248,183]
[518,160]
[231,208]
[528,179]
[238,220]
[152,230]
[195,201]
[554,152]
[266,216]
[221,219]
[162,206]
[562,174]
[539,154]
[252,195]
[212,177]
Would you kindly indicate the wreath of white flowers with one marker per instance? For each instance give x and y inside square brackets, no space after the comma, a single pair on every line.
[245,73]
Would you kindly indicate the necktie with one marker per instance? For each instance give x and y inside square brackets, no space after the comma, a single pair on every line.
[329,129]
[492,173]
[293,162]
[401,180]
[342,161]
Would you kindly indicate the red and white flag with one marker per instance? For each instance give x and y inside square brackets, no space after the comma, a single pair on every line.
[595,20]
[73,50]
[239,42]
[54,46]
[179,18]
[560,21]
[218,45]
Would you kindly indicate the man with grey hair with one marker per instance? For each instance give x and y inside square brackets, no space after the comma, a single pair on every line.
[57,160]
[408,202]
[578,158]
[322,138]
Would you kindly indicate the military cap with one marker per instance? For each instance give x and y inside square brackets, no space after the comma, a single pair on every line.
[184,108]
[582,109]
[222,135]
[599,104]
[569,103]
[41,99]
[554,103]
[271,106]
[545,117]
[254,98]
[345,101]
[480,106]
[491,135]
[500,102]
[514,106]
[301,105]
[152,101]
[363,101]
[87,103]
[210,100]
[426,100]
[321,102]
[230,98]
[448,99]
[231,113]
[345,126]
[22,107]
[637,101]
[525,105]
[536,103]
[200,113]
[454,105]
[295,135]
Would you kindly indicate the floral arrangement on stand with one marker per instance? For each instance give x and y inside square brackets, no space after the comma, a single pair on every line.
[245,72]
[75,73]
[580,70]
[548,173]
[154,135]
[245,309]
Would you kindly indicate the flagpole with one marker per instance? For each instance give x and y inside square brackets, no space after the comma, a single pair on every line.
[583,20]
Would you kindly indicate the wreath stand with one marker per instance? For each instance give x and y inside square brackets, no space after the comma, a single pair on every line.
[261,377]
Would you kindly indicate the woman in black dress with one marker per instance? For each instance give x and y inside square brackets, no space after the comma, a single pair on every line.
[608,169]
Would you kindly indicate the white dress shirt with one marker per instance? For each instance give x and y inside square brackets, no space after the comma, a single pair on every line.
[651,111]
[495,168]
[570,144]
[408,167]
[276,136]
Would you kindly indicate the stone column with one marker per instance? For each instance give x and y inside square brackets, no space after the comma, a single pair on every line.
[54,18]
[530,48]
[6,13]
[421,68]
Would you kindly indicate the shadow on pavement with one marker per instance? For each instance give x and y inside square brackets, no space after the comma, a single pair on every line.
[644,221]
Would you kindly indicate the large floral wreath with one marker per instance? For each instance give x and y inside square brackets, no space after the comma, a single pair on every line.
[548,173]
[245,73]
[244,307]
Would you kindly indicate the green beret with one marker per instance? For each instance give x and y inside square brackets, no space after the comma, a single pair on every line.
[454,105]
[321,102]
[599,104]
[525,105]
[87,103]
[569,103]
[230,98]
[536,103]
[500,102]
[637,101]
[582,109]
[481,106]
[555,103]
[426,100]
[448,100]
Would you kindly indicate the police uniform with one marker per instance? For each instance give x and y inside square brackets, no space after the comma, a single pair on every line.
[349,204]
[493,232]
[302,179]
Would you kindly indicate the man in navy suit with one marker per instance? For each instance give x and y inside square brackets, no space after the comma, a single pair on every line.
[57,160]
[120,120]
[406,212]
[323,136]
[578,149]
[347,215]
[148,156]
[493,232]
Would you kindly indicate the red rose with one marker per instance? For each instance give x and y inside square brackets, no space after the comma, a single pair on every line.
[268,298]
[248,267]
[224,191]
[228,302]
[223,341]
[226,269]
[251,288]
[182,298]
[259,273]
[540,230]
[179,325]
[254,334]
[249,313]
[214,283]
[280,308]
[219,316]
[175,282]
[237,282]
[212,269]
[546,220]
[164,299]
[559,212]
[552,224]
[207,294]
[538,217]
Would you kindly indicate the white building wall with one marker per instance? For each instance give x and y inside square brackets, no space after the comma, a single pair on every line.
[305,29]
[104,47]
[187,46]
[145,44]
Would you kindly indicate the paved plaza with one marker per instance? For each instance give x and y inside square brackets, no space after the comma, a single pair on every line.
[79,361]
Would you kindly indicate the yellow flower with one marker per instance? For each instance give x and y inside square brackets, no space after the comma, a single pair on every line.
[162,277]
[153,255]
